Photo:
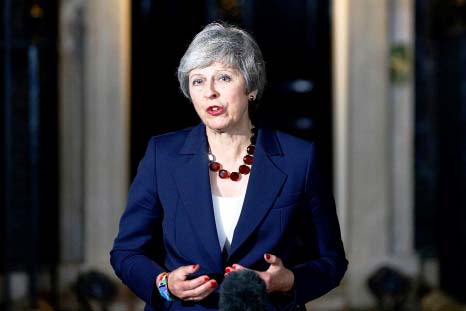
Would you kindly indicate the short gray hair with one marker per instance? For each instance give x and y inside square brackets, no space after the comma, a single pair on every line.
[229,44]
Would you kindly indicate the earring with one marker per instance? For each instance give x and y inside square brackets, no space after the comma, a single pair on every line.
[251,98]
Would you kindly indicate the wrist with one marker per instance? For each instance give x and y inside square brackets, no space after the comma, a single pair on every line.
[162,286]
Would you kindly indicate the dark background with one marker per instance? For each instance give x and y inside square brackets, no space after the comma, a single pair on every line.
[440,161]
[29,141]
[295,42]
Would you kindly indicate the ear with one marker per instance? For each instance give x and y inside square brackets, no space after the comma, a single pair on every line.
[252,96]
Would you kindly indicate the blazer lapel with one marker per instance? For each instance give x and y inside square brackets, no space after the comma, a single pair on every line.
[193,184]
[264,184]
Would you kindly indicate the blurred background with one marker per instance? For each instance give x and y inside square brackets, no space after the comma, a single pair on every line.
[380,85]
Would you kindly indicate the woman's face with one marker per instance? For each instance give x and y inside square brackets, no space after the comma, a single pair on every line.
[218,93]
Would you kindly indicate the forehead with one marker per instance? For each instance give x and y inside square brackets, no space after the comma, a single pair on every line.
[212,68]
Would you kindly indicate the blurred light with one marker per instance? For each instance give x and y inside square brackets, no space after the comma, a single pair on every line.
[36,11]
[301,86]
[146,6]
[304,123]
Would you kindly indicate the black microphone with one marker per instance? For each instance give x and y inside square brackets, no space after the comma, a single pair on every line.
[243,290]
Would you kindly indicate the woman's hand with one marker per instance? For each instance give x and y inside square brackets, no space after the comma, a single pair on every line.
[191,290]
[277,278]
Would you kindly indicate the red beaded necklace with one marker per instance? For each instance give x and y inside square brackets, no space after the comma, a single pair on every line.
[243,169]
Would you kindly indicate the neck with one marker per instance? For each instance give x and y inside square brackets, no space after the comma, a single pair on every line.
[230,144]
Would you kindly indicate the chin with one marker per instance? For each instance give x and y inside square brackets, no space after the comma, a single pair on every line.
[218,127]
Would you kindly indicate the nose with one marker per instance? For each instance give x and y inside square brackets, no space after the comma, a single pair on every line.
[210,91]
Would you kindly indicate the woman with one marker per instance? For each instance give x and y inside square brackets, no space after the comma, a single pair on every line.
[223,196]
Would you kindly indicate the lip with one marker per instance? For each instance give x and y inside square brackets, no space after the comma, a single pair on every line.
[215,110]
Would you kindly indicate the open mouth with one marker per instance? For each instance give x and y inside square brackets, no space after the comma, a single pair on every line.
[215,110]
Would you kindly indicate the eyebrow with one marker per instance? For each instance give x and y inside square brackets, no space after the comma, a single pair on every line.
[216,71]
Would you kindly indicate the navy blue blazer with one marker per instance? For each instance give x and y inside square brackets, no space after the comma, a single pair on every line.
[169,220]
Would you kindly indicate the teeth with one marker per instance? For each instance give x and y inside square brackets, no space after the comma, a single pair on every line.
[215,108]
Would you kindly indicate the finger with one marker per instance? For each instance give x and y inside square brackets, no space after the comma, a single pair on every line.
[233,268]
[273,260]
[195,283]
[176,279]
[213,285]
[228,269]
[182,272]
[200,292]
[238,267]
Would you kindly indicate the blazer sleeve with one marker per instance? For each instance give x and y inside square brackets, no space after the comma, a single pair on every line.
[135,239]
[318,276]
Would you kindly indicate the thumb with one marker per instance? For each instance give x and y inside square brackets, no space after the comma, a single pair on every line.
[272,259]
[191,269]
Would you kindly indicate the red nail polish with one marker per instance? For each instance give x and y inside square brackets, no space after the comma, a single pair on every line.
[194,266]
[267,256]
[234,266]
[227,270]
[206,278]
[213,283]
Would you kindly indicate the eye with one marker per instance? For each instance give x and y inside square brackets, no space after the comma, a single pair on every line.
[225,78]
[196,81]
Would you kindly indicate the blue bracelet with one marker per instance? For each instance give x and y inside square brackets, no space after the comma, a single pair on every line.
[163,288]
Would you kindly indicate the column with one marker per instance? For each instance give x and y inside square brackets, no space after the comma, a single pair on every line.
[373,132]
[94,121]
[106,130]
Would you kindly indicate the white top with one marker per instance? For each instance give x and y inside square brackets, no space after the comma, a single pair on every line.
[226,211]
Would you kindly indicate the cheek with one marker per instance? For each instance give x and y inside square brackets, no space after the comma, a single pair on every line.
[242,102]
[195,100]
[239,96]
[193,93]
[197,107]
